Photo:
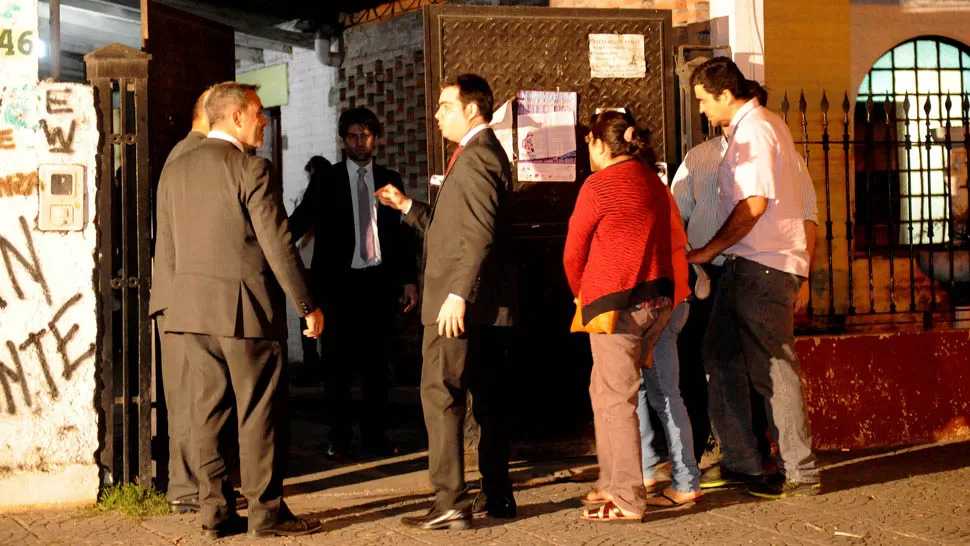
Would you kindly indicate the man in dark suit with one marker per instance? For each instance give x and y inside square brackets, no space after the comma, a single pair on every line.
[364,259]
[223,236]
[183,485]
[468,295]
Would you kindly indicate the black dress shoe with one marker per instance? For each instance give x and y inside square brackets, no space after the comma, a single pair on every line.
[234,525]
[497,506]
[290,527]
[455,518]
[184,506]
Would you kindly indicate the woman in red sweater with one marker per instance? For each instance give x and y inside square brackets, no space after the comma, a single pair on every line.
[618,257]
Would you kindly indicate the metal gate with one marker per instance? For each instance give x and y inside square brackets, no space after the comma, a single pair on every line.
[119,75]
[547,49]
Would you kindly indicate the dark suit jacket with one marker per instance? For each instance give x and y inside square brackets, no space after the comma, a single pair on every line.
[222,229]
[162,276]
[466,236]
[328,206]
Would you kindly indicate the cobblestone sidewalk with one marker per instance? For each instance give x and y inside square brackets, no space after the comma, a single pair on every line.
[910,496]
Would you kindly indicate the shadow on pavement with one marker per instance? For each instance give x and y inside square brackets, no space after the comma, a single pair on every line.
[841,471]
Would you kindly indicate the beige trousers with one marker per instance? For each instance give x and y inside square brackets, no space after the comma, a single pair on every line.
[613,386]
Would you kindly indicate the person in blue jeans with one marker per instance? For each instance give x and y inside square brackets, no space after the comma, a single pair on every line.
[660,388]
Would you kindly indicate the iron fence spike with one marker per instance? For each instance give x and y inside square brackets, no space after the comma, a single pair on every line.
[824,104]
[845,103]
[802,103]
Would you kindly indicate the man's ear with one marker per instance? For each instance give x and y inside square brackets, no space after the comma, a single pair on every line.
[726,96]
[237,117]
[472,109]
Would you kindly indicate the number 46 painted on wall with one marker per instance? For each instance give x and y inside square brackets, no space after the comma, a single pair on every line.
[14,43]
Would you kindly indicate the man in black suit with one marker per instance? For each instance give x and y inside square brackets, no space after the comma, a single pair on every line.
[364,260]
[224,240]
[183,485]
[469,292]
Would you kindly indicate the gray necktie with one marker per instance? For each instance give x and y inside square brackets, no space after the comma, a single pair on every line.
[366,243]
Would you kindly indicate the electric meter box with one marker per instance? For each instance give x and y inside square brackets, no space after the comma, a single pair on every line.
[61,197]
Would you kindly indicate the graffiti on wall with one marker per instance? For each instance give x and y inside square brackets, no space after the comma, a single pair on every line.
[50,346]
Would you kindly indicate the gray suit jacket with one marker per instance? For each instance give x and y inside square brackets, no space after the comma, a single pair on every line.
[466,236]
[222,229]
[162,276]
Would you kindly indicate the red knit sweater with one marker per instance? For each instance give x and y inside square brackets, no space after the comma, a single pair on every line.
[618,249]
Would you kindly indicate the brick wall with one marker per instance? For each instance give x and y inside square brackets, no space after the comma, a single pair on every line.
[685,12]
[384,71]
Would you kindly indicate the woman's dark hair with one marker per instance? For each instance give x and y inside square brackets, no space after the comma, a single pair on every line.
[317,164]
[720,74]
[612,126]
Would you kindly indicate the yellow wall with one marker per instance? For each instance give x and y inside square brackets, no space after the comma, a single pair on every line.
[807,46]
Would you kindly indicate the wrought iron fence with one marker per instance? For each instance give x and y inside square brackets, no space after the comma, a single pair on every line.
[892,170]
[119,76]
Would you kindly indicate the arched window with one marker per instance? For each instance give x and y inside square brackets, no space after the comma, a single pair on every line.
[908,97]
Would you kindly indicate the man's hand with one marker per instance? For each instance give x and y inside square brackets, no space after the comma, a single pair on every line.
[314,324]
[801,300]
[410,296]
[700,255]
[392,197]
[451,317]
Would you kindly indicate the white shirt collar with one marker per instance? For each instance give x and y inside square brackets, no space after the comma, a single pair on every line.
[472,132]
[221,135]
[739,115]
[353,167]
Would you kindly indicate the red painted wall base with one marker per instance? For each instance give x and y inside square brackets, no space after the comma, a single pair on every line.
[887,389]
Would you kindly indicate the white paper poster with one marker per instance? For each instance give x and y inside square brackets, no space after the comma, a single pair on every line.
[617,56]
[502,127]
[547,136]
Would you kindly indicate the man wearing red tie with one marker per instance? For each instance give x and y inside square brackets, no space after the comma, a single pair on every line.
[469,292]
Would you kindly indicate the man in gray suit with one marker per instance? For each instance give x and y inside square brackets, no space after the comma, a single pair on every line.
[223,236]
[469,292]
[183,486]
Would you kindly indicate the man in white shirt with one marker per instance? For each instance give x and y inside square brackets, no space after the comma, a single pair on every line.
[364,262]
[751,335]
[695,188]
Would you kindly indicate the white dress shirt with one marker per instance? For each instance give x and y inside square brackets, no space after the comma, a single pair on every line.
[352,175]
[228,138]
[761,161]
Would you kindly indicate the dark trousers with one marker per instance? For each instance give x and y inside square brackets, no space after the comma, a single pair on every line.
[182,482]
[693,377]
[245,373]
[750,344]
[311,354]
[355,345]
[473,362]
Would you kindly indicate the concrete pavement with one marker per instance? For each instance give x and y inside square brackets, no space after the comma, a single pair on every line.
[916,495]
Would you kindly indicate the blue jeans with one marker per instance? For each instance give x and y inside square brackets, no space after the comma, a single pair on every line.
[660,387]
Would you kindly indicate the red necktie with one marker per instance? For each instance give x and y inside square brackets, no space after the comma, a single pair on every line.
[454,156]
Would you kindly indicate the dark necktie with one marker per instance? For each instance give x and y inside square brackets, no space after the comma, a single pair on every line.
[366,243]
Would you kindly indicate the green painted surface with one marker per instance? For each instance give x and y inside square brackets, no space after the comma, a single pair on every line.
[274,84]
